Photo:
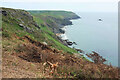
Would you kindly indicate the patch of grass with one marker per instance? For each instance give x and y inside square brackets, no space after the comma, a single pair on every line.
[59,46]
[5,34]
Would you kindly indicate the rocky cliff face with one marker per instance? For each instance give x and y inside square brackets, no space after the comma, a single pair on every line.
[20,17]
[58,19]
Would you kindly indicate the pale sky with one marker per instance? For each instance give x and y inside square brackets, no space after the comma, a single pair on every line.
[60,0]
[70,5]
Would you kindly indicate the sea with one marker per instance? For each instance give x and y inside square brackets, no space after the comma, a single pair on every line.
[95,31]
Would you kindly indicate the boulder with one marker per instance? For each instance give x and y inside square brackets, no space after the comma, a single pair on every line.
[70,43]
[4,13]
[44,43]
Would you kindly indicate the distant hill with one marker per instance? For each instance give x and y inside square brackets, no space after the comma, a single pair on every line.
[57,14]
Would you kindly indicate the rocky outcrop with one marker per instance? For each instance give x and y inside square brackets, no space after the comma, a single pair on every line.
[70,43]
[60,23]
[62,31]
[4,13]
[29,30]
[23,18]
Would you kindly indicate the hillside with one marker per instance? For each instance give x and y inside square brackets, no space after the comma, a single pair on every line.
[39,31]
[54,19]
[29,44]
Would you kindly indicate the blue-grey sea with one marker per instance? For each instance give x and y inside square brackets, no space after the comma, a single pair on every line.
[90,34]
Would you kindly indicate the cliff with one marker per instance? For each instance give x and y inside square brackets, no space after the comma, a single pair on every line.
[30,48]
[40,27]
[55,19]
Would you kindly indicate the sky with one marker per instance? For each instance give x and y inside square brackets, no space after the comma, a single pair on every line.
[59,0]
[68,5]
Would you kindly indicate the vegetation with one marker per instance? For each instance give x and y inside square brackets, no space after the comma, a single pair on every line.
[56,14]
[96,58]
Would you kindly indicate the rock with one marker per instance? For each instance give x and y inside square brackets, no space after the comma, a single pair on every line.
[21,25]
[62,31]
[63,41]
[26,14]
[42,25]
[66,22]
[75,43]
[44,43]
[100,19]
[79,50]
[4,13]
[36,25]
[26,28]
[70,43]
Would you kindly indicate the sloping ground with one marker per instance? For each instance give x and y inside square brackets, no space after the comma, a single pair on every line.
[27,59]
[24,52]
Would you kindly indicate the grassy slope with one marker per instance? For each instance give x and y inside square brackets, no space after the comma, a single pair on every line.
[45,35]
[41,17]
[24,57]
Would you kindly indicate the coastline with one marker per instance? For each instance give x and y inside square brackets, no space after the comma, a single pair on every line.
[60,32]
[65,39]
[101,53]
[62,35]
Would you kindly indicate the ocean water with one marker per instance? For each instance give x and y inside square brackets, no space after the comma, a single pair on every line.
[90,34]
